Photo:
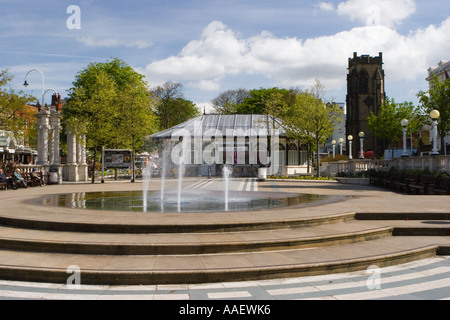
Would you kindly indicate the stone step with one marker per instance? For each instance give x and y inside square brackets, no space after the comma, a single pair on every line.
[188,243]
[202,268]
[167,224]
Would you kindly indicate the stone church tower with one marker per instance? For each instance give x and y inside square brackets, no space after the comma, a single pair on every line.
[365,94]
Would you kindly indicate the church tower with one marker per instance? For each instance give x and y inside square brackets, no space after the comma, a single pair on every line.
[365,94]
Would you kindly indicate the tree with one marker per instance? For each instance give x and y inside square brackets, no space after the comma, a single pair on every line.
[171,108]
[273,101]
[387,124]
[227,102]
[310,119]
[110,104]
[438,98]
[15,116]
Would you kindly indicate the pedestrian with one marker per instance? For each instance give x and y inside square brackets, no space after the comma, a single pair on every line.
[36,178]
[17,179]
[3,180]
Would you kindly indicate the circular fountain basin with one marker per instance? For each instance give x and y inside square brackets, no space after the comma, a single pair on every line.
[208,201]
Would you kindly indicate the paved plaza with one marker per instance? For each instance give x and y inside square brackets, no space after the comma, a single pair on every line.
[427,279]
[418,274]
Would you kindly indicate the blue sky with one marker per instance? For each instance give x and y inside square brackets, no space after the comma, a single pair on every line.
[212,46]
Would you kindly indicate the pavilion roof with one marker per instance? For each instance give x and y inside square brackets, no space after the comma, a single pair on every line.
[248,125]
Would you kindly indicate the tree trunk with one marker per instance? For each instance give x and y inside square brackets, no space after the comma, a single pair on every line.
[318,159]
[93,166]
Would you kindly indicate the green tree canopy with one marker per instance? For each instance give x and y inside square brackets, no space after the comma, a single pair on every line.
[171,107]
[387,124]
[311,119]
[438,98]
[227,101]
[15,116]
[110,103]
[273,101]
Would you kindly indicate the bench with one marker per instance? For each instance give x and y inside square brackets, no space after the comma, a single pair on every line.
[441,187]
[407,180]
[35,179]
[8,184]
[424,184]
[376,178]
[394,180]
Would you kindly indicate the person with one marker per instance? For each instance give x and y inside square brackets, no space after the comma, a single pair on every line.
[3,180]
[36,178]
[18,179]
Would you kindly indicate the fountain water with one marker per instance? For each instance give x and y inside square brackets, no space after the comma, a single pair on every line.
[180,184]
[163,175]
[181,161]
[146,175]
[226,173]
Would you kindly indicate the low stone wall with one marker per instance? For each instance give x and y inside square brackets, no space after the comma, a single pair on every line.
[432,163]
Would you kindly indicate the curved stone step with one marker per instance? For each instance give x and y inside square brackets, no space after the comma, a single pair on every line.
[187,243]
[171,269]
[180,226]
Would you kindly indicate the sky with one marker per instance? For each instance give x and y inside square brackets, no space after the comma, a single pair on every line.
[211,46]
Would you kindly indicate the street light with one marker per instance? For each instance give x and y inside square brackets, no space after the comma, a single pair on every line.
[434,116]
[42,76]
[341,141]
[26,84]
[350,138]
[361,141]
[404,125]
[334,148]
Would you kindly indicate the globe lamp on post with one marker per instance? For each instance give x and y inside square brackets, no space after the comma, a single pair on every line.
[350,139]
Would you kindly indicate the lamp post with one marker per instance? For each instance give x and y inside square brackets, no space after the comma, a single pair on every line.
[434,116]
[334,148]
[404,125]
[350,138]
[361,141]
[341,141]
[42,76]
[26,84]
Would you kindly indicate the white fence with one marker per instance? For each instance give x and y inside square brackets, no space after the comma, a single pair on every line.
[432,163]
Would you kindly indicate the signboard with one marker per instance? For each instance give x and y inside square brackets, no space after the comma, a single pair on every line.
[118,159]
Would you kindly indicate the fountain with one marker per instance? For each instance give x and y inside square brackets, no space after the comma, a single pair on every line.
[210,201]
[178,200]
[163,175]
[226,172]
[146,176]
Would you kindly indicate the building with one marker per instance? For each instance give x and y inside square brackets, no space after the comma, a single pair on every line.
[442,71]
[365,94]
[244,141]
[339,133]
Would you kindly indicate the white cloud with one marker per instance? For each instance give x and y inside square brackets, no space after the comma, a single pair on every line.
[326,6]
[221,53]
[382,12]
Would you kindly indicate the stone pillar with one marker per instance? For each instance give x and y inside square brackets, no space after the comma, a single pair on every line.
[72,164]
[82,165]
[55,123]
[55,172]
[71,148]
[43,130]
